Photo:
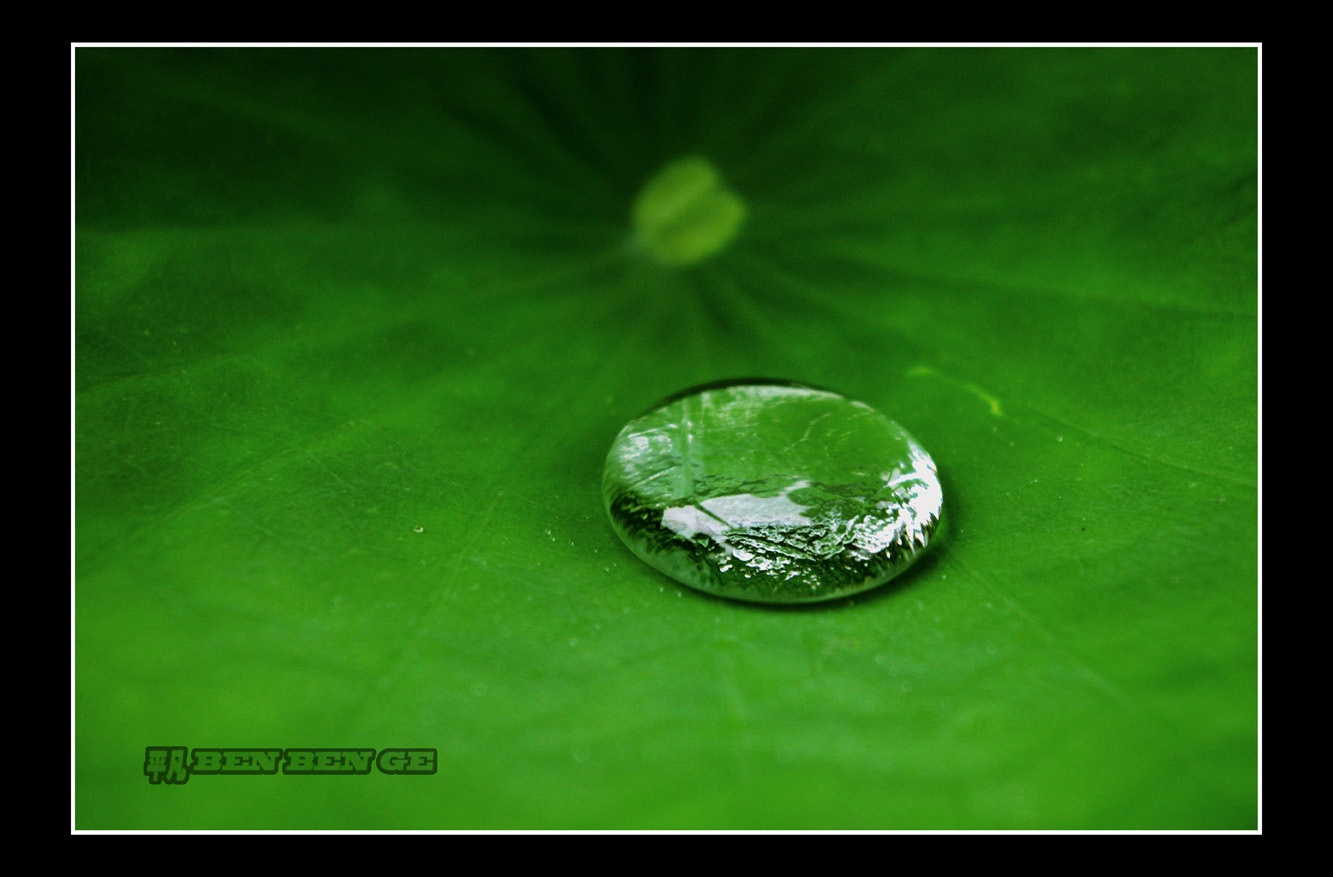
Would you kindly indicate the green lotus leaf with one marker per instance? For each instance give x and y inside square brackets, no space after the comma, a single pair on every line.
[355,328]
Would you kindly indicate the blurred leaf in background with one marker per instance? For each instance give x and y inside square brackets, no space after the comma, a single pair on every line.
[354,329]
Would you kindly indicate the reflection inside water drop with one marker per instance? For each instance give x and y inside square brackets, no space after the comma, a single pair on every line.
[771,492]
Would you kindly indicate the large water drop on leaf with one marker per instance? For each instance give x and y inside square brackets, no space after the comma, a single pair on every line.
[771,492]
[685,212]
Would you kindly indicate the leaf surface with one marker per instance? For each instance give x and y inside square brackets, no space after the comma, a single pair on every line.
[355,328]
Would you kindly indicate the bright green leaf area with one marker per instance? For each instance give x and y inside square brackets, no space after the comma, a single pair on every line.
[685,213]
[355,329]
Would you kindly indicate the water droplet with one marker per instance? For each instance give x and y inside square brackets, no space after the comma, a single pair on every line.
[771,492]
